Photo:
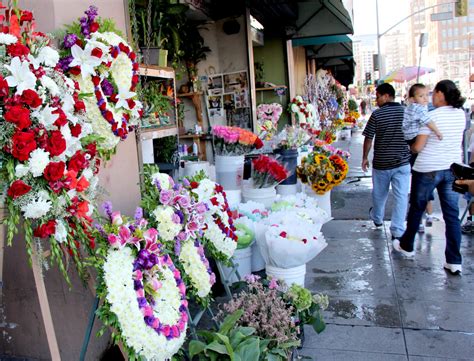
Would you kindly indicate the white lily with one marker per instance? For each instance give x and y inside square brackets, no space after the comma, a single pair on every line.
[123,95]
[21,77]
[84,59]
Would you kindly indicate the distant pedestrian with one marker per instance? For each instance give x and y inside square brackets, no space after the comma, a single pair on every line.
[363,107]
[416,115]
[432,170]
[391,161]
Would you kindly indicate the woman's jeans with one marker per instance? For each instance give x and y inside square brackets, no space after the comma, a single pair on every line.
[422,185]
[399,178]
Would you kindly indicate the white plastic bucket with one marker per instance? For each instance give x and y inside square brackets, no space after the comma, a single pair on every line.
[266,196]
[191,168]
[324,200]
[230,171]
[147,151]
[289,275]
[287,189]
[258,263]
[234,197]
[243,258]
[345,134]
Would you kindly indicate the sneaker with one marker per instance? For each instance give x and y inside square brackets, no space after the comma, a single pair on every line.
[421,228]
[468,227]
[429,221]
[396,247]
[454,269]
[377,225]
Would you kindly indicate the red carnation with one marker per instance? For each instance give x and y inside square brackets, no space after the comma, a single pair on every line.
[91,149]
[23,144]
[97,52]
[109,116]
[79,106]
[62,120]
[78,162]
[94,26]
[96,80]
[19,116]
[76,70]
[76,130]
[133,57]
[283,234]
[56,143]
[194,185]
[4,89]
[45,230]
[31,98]
[54,171]
[26,16]
[17,49]
[17,189]
[131,103]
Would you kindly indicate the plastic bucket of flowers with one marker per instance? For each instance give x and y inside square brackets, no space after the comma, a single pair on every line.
[266,174]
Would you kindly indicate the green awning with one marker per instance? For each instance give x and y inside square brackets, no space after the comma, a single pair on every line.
[320,40]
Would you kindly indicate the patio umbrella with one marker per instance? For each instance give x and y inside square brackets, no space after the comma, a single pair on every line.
[406,73]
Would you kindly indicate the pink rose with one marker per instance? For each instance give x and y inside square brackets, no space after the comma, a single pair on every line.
[116,218]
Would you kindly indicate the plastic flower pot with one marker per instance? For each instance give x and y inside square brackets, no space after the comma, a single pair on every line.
[289,159]
[289,275]
[229,171]
[324,200]
[266,196]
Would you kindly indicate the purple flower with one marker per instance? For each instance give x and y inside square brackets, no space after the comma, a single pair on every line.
[201,208]
[70,40]
[165,197]
[137,285]
[141,301]
[186,182]
[177,248]
[92,12]
[64,62]
[107,207]
[149,320]
[138,214]
[184,201]
[180,215]
[107,88]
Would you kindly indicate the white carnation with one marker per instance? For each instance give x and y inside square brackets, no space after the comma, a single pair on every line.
[7,39]
[21,170]
[50,84]
[163,179]
[39,159]
[37,208]
[48,56]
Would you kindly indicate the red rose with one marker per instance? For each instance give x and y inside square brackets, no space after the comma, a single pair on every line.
[91,149]
[133,57]
[56,143]
[4,89]
[194,185]
[54,171]
[123,47]
[96,80]
[283,234]
[109,116]
[17,189]
[31,98]
[79,106]
[76,130]
[19,116]
[93,27]
[17,49]
[76,70]
[62,120]
[97,52]
[258,143]
[23,144]
[78,162]
[26,16]
[45,230]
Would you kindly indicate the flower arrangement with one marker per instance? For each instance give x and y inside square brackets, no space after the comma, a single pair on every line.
[234,140]
[267,119]
[304,111]
[144,297]
[179,220]
[351,118]
[267,172]
[322,173]
[322,147]
[265,310]
[292,137]
[219,237]
[48,151]
[105,69]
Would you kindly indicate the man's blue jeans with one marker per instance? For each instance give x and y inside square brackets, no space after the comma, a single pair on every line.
[422,186]
[399,178]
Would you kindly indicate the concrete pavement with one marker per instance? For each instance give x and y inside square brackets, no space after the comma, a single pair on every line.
[382,306]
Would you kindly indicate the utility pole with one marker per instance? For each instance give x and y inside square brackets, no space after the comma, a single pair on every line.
[379,57]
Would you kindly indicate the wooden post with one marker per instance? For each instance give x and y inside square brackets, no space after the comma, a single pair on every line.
[45,310]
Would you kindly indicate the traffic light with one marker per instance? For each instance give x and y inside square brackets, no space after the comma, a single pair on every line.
[460,8]
[368,78]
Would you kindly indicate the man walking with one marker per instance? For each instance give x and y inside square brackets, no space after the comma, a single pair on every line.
[391,162]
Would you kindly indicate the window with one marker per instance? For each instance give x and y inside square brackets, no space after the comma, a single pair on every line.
[456,32]
[444,46]
[450,32]
[443,33]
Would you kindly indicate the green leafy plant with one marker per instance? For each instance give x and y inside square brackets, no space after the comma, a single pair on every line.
[230,342]
[352,105]
[166,149]
[156,103]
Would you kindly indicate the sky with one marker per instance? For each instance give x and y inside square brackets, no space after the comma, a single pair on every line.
[390,12]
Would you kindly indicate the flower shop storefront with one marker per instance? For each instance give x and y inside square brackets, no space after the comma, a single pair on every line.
[122,253]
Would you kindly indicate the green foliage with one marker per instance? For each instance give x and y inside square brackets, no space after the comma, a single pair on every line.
[352,105]
[154,100]
[166,149]
[228,343]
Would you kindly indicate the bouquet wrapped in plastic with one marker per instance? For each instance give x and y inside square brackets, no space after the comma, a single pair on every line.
[291,245]
[267,172]
[234,141]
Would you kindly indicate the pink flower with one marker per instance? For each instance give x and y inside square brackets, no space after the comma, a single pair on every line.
[192,226]
[114,241]
[140,292]
[156,323]
[155,284]
[273,284]
[175,218]
[138,275]
[147,311]
[166,330]
[174,331]
[116,218]
[182,288]
[184,201]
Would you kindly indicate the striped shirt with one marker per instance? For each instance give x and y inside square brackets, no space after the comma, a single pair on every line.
[390,149]
[440,154]
[415,116]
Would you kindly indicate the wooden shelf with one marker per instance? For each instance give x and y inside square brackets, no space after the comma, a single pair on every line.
[272,88]
[158,132]
[188,95]
[190,136]
[156,71]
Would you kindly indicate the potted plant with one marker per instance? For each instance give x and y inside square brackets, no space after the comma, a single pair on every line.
[166,153]
[157,106]
[159,25]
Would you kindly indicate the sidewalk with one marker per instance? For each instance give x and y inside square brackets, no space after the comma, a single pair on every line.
[382,306]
